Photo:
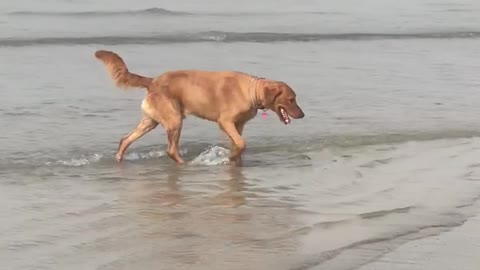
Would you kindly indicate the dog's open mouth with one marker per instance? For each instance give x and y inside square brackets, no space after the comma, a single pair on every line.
[282,113]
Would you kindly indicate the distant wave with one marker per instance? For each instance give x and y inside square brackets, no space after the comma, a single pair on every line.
[228,37]
[151,11]
[156,11]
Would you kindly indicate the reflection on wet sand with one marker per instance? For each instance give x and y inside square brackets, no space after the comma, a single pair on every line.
[234,195]
[167,191]
[229,225]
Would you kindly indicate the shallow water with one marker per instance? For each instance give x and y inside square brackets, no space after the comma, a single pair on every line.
[388,151]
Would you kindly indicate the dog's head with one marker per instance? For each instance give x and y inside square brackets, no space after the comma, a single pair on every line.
[280,98]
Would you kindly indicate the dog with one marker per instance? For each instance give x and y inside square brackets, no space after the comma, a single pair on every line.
[229,98]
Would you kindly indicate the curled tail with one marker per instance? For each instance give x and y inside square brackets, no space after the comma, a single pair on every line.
[119,73]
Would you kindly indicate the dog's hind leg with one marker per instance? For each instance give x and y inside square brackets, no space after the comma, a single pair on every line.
[168,114]
[145,125]
[173,136]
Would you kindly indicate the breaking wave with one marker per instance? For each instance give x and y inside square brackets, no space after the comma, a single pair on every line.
[227,37]
[155,11]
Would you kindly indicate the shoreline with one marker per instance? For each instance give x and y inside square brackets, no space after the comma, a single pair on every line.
[455,249]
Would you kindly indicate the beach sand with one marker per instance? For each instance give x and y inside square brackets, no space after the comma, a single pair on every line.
[457,249]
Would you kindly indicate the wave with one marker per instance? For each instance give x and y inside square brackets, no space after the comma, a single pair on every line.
[148,11]
[228,37]
[158,12]
[302,144]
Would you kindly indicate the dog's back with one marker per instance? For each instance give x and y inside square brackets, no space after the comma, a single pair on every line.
[205,94]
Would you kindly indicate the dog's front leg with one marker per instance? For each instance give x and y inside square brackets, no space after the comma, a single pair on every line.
[239,126]
[238,144]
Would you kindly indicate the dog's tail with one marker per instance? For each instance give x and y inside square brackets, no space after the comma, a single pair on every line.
[119,73]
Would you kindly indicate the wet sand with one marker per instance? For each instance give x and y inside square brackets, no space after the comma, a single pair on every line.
[367,202]
[456,249]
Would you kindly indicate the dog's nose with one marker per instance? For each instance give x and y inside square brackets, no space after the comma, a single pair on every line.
[301,115]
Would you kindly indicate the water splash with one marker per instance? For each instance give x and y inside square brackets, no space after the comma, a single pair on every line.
[149,155]
[77,162]
[214,155]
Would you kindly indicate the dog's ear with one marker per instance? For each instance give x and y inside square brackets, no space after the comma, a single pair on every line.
[271,92]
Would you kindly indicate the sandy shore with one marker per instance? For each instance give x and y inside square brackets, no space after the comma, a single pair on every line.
[458,249]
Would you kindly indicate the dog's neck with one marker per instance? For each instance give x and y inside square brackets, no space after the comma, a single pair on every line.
[254,95]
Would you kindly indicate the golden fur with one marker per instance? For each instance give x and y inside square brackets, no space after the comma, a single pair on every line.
[227,97]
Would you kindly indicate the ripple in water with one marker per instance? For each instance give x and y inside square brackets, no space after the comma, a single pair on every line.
[214,155]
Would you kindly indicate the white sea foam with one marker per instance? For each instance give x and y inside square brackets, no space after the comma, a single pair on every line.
[214,155]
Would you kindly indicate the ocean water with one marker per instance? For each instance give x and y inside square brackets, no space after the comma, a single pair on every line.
[388,151]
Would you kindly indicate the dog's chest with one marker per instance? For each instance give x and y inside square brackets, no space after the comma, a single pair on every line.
[247,115]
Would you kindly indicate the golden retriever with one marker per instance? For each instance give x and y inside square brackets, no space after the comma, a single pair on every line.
[228,98]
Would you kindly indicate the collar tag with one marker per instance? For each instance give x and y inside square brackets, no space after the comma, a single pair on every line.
[264,114]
